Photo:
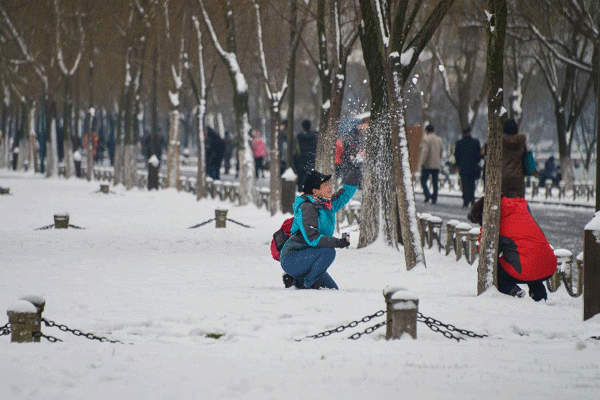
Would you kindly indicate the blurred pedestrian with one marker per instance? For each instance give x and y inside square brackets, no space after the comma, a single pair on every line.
[513,148]
[467,155]
[430,161]
[307,142]
[215,148]
[259,150]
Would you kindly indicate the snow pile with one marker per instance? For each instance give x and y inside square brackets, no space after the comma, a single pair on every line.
[208,317]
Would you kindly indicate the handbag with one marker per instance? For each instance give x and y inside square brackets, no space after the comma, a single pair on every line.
[529,164]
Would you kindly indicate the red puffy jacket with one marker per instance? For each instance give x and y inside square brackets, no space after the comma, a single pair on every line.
[526,254]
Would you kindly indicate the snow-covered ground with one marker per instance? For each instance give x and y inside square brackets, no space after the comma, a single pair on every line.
[137,274]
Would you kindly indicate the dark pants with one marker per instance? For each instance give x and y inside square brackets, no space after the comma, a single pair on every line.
[258,165]
[468,189]
[506,282]
[434,180]
[309,267]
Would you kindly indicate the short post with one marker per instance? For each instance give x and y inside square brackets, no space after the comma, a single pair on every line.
[462,230]
[473,237]
[61,221]
[153,170]
[423,227]
[434,226]
[39,303]
[450,231]
[4,190]
[104,188]
[288,190]
[77,161]
[402,307]
[22,317]
[220,218]
[591,277]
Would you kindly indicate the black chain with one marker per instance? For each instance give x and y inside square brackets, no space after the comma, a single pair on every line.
[446,329]
[45,227]
[5,330]
[239,223]
[77,332]
[568,286]
[51,339]
[367,331]
[202,223]
[595,337]
[344,327]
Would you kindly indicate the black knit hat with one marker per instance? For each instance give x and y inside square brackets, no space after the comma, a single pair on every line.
[313,180]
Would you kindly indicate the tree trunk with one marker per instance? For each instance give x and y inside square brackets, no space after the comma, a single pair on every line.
[201,171]
[173,151]
[407,209]
[32,153]
[488,255]
[68,129]
[275,162]
[325,161]
[292,86]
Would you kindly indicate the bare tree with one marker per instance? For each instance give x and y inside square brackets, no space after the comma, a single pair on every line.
[496,15]
[201,99]
[248,192]
[390,27]
[68,74]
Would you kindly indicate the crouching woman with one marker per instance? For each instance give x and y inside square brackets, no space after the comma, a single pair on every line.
[524,253]
[310,250]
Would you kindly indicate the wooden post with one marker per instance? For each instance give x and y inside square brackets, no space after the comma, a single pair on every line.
[61,221]
[4,190]
[288,191]
[39,303]
[434,224]
[451,229]
[473,236]
[423,227]
[104,188]
[220,218]
[402,307]
[591,276]
[462,230]
[22,316]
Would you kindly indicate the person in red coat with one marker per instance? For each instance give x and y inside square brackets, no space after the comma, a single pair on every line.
[525,256]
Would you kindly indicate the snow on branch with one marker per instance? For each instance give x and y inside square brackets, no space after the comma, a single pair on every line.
[59,56]
[563,58]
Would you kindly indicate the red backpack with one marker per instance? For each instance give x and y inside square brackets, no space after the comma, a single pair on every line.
[280,237]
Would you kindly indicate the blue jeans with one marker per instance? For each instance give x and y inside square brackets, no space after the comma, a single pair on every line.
[309,267]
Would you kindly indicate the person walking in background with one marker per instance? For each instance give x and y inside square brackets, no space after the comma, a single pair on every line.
[259,151]
[307,141]
[467,154]
[215,148]
[513,147]
[229,147]
[430,161]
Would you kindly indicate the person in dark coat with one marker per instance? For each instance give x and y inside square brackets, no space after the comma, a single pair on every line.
[548,172]
[467,154]
[307,141]
[215,149]
[309,251]
[513,147]
[524,253]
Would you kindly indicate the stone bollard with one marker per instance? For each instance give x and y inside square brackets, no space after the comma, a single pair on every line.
[423,227]
[22,317]
[104,188]
[473,237]
[288,190]
[451,229]
[220,218]
[434,226]
[153,172]
[61,221]
[564,258]
[460,240]
[402,307]
[4,190]
[39,303]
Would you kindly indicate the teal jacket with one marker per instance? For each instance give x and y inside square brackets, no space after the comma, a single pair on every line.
[314,218]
